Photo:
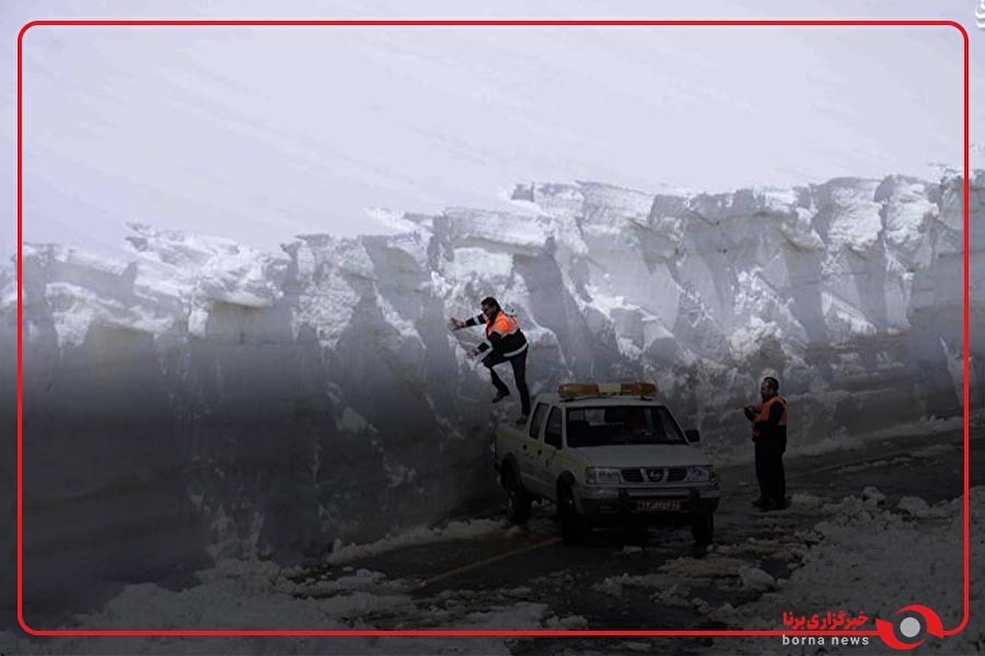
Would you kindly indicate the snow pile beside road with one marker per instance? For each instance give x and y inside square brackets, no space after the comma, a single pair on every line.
[269,406]
[239,595]
[867,558]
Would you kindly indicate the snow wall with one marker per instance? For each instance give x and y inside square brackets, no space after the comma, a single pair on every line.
[206,399]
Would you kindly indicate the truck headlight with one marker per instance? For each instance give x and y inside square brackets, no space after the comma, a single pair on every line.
[601,475]
[701,475]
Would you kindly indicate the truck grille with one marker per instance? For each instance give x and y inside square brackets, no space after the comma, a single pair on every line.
[654,475]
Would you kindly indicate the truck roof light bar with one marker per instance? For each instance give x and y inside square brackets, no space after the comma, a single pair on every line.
[571,391]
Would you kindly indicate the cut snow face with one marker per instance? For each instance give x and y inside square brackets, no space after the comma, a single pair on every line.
[265,405]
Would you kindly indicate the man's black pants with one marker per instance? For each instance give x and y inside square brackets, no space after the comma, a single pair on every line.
[769,468]
[519,364]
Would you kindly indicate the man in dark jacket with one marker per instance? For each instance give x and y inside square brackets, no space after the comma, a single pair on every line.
[769,434]
[505,343]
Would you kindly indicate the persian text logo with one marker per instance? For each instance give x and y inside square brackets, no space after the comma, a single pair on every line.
[909,630]
[840,621]
[827,622]
[980,14]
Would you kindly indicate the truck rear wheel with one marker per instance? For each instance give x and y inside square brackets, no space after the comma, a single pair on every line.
[518,501]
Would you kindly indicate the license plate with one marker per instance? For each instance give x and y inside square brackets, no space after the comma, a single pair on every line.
[658,504]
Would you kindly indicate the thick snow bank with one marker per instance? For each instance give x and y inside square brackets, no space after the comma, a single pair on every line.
[204,400]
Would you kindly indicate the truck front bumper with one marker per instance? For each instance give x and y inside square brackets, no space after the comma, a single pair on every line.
[635,506]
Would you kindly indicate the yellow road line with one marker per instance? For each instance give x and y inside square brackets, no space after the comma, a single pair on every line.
[487,561]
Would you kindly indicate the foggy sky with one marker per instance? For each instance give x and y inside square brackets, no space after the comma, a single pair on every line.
[259,134]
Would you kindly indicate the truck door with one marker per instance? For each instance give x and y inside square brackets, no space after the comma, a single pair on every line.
[531,446]
[546,452]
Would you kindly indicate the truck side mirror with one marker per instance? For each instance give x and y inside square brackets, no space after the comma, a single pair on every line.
[692,435]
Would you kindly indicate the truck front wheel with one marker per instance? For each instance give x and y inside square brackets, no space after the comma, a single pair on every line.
[570,523]
[703,528]
[518,502]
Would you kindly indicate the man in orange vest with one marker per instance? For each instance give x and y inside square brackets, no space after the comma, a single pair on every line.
[506,343]
[769,434]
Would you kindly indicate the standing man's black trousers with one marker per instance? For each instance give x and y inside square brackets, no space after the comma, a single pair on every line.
[519,364]
[769,468]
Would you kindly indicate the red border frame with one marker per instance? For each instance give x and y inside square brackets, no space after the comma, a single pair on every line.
[478,23]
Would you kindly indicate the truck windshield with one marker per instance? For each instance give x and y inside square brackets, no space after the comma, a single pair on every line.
[609,425]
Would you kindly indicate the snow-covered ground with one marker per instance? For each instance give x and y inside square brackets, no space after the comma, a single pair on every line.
[865,556]
[858,554]
[263,405]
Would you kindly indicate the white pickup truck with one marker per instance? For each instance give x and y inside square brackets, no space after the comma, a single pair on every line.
[607,454]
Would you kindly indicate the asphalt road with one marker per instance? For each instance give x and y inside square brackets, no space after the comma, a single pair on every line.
[453,581]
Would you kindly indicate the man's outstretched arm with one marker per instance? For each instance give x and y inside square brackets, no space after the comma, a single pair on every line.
[458,324]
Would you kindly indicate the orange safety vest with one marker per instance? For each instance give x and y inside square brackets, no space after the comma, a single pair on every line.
[508,328]
[764,413]
[502,324]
